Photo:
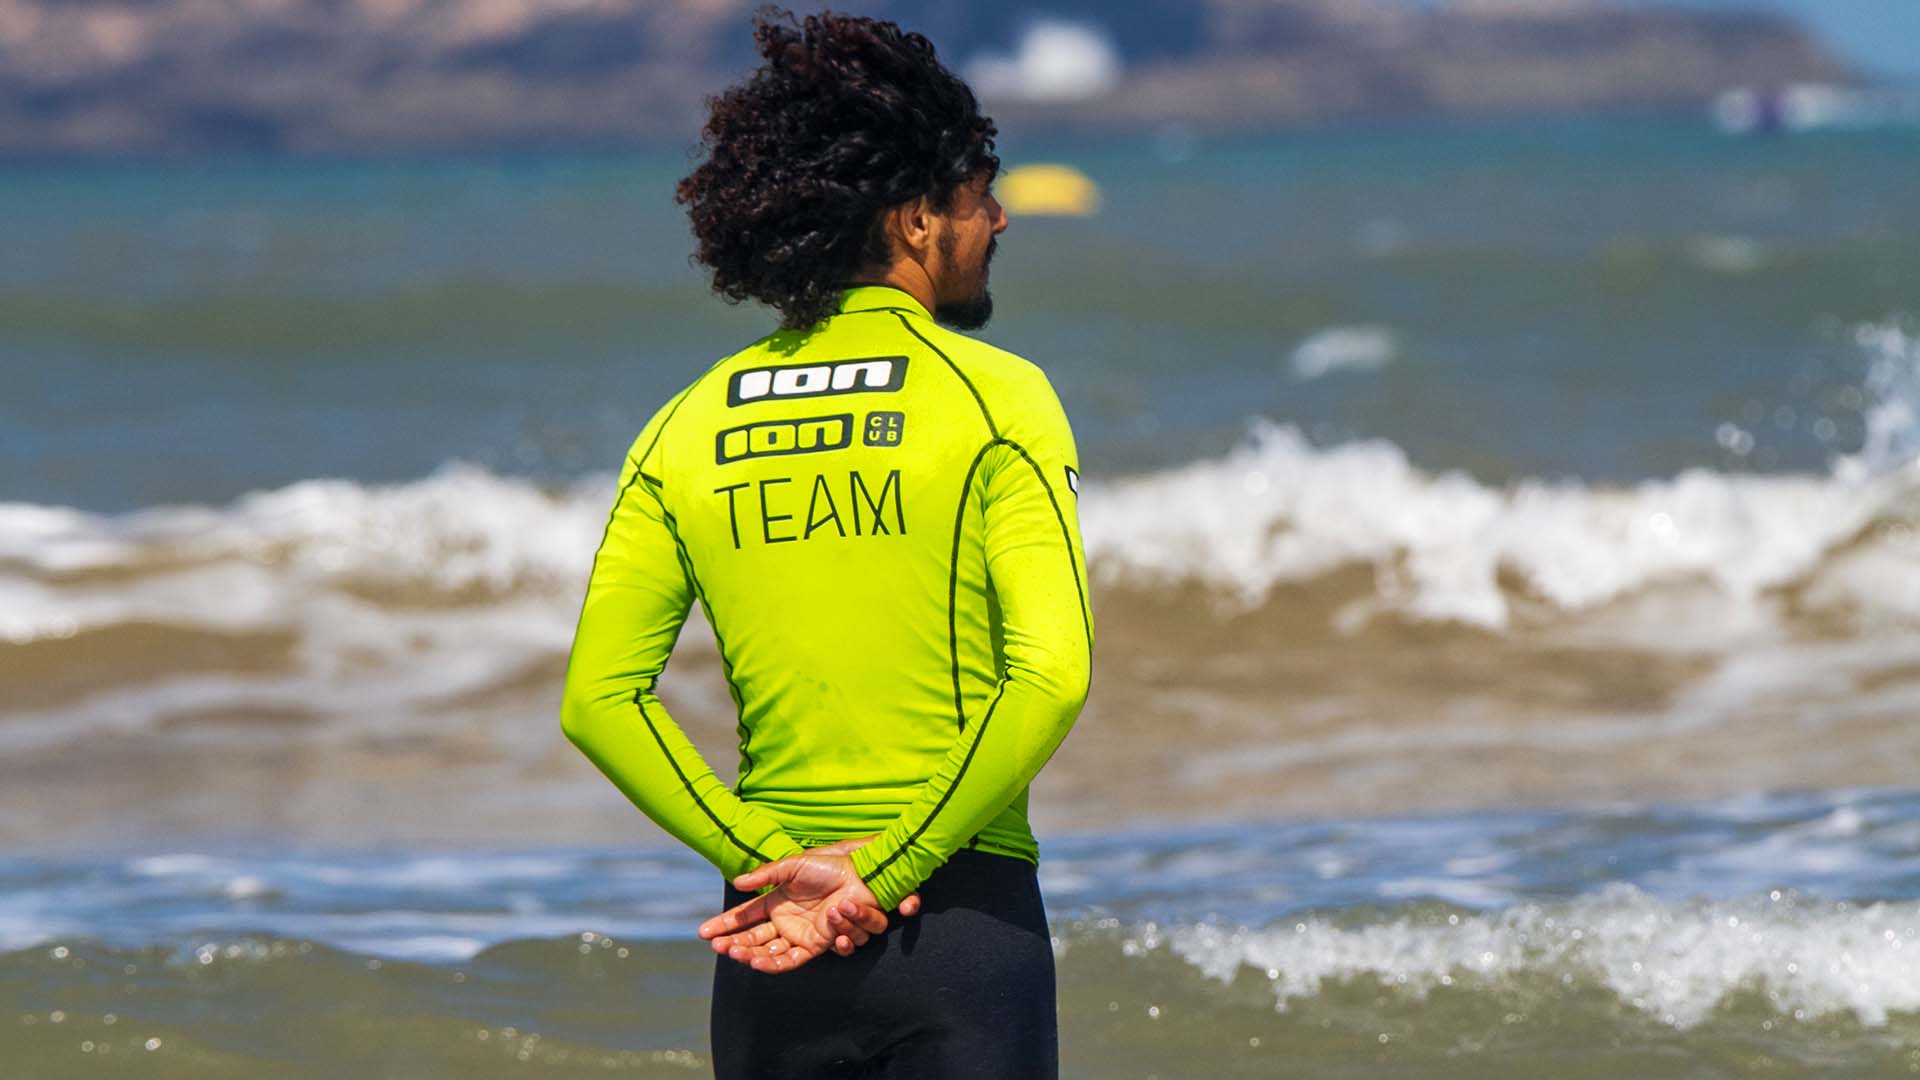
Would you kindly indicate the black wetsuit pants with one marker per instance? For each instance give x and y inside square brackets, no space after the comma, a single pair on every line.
[964,989]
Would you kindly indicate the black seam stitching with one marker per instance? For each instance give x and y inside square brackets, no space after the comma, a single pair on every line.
[1086,623]
[979,733]
[1073,561]
[639,470]
[720,643]
[606,531]
[953,586]
[671,411]
[978,400]
[647,719]
[686,563]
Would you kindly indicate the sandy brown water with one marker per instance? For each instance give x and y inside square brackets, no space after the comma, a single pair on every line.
[1202,708]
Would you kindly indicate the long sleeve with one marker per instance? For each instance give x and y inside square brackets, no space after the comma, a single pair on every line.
[1037,571]
[637,600]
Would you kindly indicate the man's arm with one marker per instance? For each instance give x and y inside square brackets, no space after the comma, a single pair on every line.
[637,600]
[1037,569]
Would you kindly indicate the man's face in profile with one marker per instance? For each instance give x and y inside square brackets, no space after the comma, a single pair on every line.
[961,298]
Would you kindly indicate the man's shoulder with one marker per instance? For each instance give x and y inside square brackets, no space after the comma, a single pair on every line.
[773,350]
[958,346]
[988,365]
[647,444]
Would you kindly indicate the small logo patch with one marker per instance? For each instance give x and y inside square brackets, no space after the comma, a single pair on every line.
[1073,480]
[885,428]
[776,437]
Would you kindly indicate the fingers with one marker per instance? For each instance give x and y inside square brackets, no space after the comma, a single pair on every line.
[848,932]
[735,919]
[784,962]
[757,935]
[772,873]
[783,928]
[775,957]
[763,948]
[870,919]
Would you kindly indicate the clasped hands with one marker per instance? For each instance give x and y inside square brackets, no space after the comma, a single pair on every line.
[818,903]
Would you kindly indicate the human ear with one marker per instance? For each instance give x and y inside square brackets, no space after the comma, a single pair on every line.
[913,227]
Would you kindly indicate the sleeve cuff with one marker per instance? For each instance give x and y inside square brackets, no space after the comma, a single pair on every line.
[888,888]
[863,859]
[774,844]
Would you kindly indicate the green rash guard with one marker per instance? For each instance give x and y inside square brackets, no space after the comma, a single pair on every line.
[879,518]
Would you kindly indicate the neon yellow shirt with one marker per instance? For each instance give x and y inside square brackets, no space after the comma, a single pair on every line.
[879,518]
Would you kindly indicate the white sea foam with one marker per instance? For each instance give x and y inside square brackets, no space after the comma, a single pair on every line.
[1280,510]
[394,598]
[489,568]
[429,948]
[1276,510]
[1345,348]
[450,873]
[1675,961]
[25,929]
[184,864]
[1732,255]
[461,528]
[400,598]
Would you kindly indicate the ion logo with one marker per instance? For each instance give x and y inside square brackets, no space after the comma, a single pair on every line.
[777,437]
[879,374]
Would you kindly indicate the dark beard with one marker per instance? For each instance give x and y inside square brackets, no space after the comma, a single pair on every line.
[966,314]
[975,311]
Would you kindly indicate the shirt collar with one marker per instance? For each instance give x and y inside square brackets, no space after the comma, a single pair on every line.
[880,298]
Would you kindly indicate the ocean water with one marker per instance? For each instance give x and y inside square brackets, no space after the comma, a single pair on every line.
[1755,935]
[1506,545]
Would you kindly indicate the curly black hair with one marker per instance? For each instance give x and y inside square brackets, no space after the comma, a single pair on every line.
[846,117]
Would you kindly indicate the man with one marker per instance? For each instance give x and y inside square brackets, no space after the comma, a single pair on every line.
[878,517]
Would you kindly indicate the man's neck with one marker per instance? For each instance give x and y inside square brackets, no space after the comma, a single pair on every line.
[906,276]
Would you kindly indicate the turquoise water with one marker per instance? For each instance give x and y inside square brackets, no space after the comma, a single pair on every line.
[1575,299]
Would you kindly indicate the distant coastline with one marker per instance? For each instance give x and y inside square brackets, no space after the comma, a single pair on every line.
[313,76]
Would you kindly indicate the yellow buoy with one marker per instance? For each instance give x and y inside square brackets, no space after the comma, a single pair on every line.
[1047,190]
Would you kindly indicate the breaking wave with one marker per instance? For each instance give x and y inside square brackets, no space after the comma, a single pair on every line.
[358,596]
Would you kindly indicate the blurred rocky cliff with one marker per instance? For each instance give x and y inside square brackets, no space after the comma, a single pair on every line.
[167,76]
